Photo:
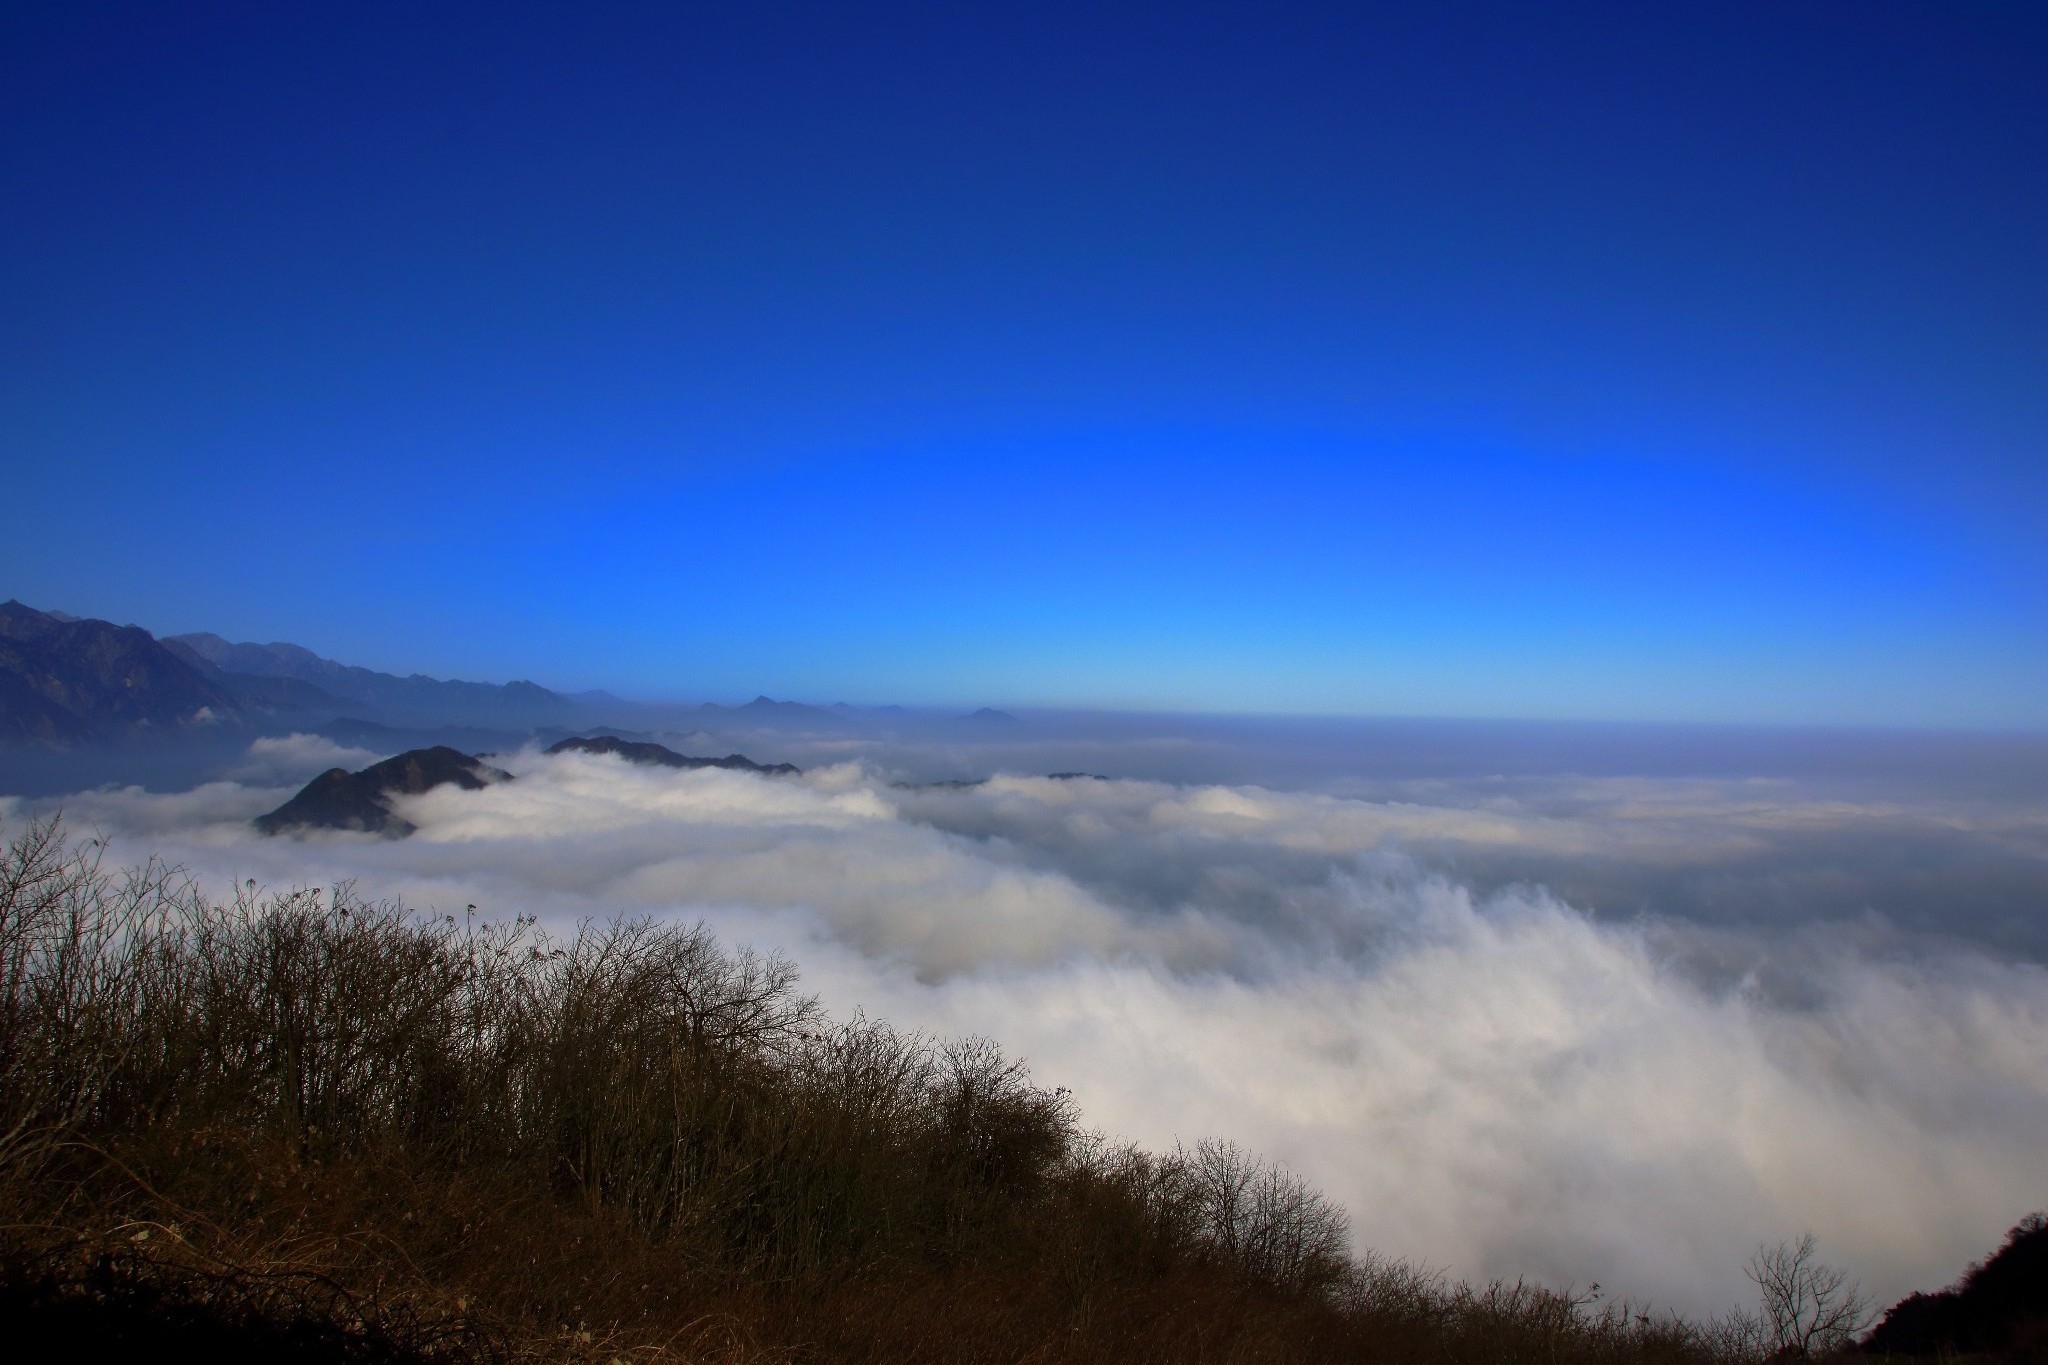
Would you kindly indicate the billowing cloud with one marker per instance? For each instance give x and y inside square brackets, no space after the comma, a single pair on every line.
[1699,1037]
[295,758]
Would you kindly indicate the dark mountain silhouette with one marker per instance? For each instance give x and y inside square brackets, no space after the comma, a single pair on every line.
[414,700]
[1997,1307]
[340,799]
[659,755]
[65,681]
[988,715]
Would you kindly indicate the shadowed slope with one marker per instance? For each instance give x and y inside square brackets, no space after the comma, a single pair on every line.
[2000,1305]
[340,799]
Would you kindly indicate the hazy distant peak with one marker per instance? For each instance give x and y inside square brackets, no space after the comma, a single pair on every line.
[767,710]
[202,643]
[417,698]
[277,659]
[989,714]
[185,651]
[769,704]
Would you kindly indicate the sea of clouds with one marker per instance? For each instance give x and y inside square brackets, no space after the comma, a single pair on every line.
[1578,1028]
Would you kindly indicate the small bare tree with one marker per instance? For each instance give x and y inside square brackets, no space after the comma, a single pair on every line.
[1263,1217]
[76,946]
[1808,1308]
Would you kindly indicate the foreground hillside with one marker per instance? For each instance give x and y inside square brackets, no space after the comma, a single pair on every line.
[318,1128]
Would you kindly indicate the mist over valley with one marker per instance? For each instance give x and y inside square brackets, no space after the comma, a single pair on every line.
[1569,1002]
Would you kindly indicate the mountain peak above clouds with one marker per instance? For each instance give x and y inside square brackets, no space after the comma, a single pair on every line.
[770,705]
[767,711]
[661,756]
[340,799]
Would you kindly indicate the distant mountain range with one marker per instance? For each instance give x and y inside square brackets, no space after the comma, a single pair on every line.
[295,675]
[87,692]
[66,682]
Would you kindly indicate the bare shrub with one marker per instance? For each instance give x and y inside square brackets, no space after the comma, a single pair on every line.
[1263,1218]
[76,949]
[631,1141]
[1807,1308]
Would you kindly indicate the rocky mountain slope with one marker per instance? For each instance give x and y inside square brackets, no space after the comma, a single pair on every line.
[65,681]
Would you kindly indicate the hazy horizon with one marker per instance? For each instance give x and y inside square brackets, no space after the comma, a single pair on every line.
[679,694]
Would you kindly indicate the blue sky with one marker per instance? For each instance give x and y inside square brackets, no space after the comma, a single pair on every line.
[1682,361]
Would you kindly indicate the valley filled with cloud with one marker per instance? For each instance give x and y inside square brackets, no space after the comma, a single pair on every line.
[1573,1027]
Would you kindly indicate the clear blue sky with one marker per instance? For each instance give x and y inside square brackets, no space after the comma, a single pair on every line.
[1616,360]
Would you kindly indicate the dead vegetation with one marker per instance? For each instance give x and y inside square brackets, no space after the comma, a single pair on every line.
[317,1127]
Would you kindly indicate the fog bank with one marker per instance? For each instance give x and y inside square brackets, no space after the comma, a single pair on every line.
[1613,1028]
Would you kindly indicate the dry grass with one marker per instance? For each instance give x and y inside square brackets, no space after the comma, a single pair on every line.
[336,1130]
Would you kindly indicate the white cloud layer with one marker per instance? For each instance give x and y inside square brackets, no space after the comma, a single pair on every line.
[1489,1078]
[295,758]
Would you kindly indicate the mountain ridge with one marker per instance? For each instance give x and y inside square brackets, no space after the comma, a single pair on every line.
[69,684]
[66,681]
[414,698]
[660,755]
